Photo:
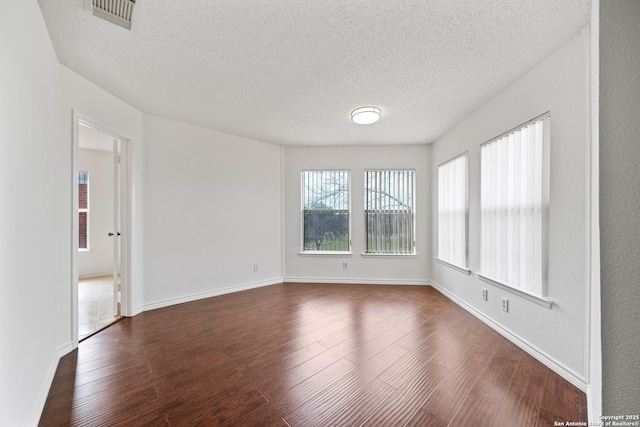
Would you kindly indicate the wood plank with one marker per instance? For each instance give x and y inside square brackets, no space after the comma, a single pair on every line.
[105,409]
[418,336]
[450,393]
[279,358]
[479,407]
[521,402]
[405,402]
[355,411]
[287,397]
[352,387]
[561,397]
[423,418]
[268,415]
[390,336]
[548,419]
[227,411]
[347,334]
[313,412]
[308,353]
[413,362]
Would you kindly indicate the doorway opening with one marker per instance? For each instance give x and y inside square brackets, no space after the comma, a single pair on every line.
[101,226]
[95,305]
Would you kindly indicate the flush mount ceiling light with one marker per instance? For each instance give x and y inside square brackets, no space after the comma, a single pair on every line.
[365,115]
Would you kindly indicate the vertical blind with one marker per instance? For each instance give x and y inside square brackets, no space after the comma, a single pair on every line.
[511,204]
[452,211]
[83,210]
[389,213]
[325,208]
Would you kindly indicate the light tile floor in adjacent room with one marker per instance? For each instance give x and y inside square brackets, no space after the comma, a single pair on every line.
[95,304]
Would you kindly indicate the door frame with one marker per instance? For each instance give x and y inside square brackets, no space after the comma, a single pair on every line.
[126,306]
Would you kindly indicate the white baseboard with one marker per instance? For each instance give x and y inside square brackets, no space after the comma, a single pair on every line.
[553,364]
[65,349]
[352,281]
[215,293]
[48,380]
[137,310]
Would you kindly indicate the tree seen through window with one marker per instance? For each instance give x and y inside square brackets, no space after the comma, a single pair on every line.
[326,210]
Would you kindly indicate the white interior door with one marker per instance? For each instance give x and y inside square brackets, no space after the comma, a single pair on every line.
[115,233]
[114,224]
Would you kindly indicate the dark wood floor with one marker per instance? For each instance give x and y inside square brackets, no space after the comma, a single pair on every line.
[307,355]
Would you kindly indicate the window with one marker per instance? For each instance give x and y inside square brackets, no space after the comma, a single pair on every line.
[325,211]
[513,203]
[83,210]
[453,211]
[389,212]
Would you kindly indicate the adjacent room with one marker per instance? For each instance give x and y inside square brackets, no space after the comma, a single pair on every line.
[339,213]
[98,218]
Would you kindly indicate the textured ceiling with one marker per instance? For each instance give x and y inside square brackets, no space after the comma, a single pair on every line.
[290,72]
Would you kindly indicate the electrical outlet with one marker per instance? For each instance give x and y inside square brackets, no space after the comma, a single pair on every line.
[255,268]
[505,305]
[345,265]
[485,294]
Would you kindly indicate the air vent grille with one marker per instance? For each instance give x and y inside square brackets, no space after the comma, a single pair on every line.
[116,11]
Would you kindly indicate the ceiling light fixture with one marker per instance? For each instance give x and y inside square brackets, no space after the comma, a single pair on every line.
[365,115]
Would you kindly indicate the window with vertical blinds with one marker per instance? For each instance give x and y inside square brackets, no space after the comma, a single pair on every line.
[513,204]
[325,211]
[389,212]
[83,210]
[453,211]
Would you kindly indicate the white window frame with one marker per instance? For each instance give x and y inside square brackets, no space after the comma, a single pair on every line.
[413,252]
[453,227]
[501,233]
[85,210]
[304,251]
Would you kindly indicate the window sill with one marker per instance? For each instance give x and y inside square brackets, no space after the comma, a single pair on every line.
[81,250]
[338,254]
[540,300]
[455,267]
[372,255]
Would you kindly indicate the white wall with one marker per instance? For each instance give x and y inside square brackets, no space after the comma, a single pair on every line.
[558,84]
[620,204]
[383,270]
[37,96]
[212,203]
[35,217]
[98,260]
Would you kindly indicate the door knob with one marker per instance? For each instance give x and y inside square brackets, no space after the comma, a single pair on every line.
[111,234]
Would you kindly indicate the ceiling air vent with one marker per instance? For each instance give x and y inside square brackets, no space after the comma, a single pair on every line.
[116,11]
